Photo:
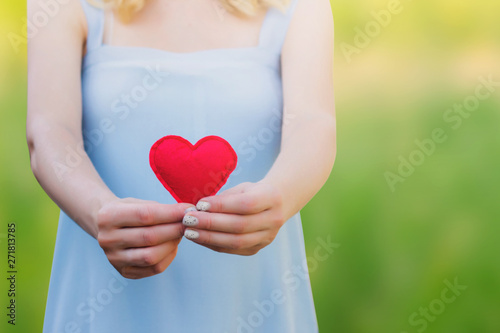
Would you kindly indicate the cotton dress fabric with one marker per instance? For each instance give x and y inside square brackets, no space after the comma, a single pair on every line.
[133,96]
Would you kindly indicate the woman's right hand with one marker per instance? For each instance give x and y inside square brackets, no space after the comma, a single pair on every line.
[139,237]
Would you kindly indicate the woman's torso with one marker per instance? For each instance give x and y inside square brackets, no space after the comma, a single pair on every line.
[132,96]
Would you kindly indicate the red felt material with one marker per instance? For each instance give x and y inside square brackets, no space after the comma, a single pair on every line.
[190,172]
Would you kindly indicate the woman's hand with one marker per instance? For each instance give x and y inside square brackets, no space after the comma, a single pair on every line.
[140,237]
[241,220]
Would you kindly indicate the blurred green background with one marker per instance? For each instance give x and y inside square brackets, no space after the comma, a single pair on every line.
[397,248]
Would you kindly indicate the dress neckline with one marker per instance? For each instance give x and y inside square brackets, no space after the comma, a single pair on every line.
[259,46]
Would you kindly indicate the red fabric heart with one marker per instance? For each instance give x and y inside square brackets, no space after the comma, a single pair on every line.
[190,172]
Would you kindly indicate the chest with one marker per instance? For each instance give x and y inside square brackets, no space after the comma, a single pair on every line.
[186,26]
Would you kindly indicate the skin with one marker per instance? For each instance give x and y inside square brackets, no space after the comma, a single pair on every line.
[140,238]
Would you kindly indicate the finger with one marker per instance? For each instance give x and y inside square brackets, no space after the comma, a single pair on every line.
[135,215]
[141,237]
[250,202]
[234,242]
[143,256]
[229,223]
[137,272]
[240,188]
[246,252]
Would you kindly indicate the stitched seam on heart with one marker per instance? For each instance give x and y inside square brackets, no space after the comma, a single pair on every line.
[152,163]
[225,173]
[228,171]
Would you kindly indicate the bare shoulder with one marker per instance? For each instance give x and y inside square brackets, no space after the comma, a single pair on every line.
[46,17]
[311,23]
[307,59]
[318,10]
[309,40]
[56,39]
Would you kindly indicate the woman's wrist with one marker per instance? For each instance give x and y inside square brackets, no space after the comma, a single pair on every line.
[97,204]
[280,190]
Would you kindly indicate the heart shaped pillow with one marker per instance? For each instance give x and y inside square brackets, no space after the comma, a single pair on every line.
[190,172]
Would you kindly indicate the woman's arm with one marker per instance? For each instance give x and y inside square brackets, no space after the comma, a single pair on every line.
[140,238]
[55,114]
[247,217]
[308,146]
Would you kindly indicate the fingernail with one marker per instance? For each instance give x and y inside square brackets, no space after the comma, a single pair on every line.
[190,209]
[189,220]
[203,206]
[191,234]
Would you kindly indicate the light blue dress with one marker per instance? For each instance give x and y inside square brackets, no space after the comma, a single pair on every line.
[132,96]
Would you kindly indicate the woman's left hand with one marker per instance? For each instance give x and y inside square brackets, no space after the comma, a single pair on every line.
[241,220]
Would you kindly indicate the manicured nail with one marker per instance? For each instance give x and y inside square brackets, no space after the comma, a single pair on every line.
[190,209]
[203,206]
[191,234]
[189,220]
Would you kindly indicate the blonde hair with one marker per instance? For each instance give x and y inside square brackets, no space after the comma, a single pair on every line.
[126,9]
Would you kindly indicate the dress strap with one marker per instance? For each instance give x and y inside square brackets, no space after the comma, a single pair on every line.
[275,27]
[95,23]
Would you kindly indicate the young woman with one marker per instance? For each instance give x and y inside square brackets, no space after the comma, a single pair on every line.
[106,81]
